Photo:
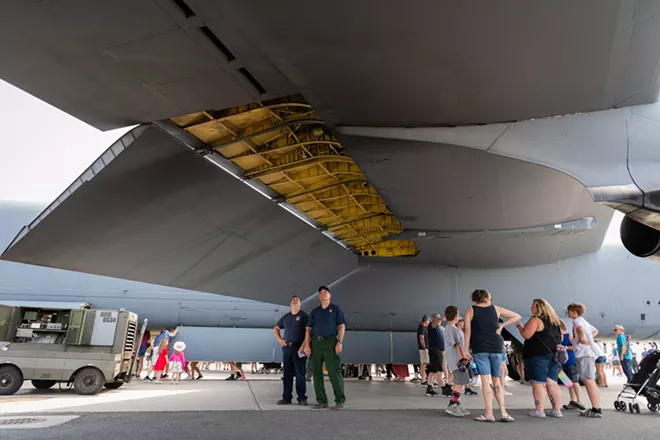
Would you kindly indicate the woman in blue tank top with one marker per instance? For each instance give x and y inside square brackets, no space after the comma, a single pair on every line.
[482,336]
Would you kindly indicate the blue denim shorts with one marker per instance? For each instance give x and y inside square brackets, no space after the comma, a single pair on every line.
[601,360]
[541,368]
[489,364]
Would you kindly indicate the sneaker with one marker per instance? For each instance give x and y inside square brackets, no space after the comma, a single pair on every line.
[470,392]
[320,406]
[242,378]
[535,413]
[454,409]
[302,402]
[362,378]
[283,402]
[463,409]
[414,380]
[338,406]
[507,393]
[430,392]
[592,413]
[556,414]
[574,406]
[231,377]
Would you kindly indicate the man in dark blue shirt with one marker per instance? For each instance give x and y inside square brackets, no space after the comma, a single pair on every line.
[324,342]
[436,353]
[294,324]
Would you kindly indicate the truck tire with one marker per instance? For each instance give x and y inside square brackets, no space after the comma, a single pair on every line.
[113,385]
[43,384]
[11,380]
[88,381]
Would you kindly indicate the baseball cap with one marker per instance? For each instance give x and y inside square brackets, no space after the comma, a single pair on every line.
[425,318]
[619,327]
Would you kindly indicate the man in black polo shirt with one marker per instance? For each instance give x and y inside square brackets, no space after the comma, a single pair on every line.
[323,342]
[293,352]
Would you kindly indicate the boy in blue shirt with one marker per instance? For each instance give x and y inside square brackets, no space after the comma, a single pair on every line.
[570,368]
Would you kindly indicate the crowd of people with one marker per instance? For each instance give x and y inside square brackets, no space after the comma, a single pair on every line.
[451,356]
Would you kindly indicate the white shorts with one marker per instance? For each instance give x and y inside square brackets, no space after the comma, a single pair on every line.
[586,367]
[423,356]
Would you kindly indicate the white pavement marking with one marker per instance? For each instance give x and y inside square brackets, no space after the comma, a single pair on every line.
[68,402]
[37,422]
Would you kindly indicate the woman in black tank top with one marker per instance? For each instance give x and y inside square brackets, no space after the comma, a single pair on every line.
[542,334]
[482,335]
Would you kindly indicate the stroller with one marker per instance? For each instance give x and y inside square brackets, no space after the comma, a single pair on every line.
[644,383]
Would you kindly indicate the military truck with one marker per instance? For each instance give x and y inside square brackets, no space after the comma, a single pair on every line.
[66,343]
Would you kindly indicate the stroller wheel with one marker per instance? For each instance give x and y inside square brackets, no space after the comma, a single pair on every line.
[630,407]
[636,408]
[653,407]
[616,405]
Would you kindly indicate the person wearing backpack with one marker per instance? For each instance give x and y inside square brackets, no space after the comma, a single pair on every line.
[543,354]
[624,351]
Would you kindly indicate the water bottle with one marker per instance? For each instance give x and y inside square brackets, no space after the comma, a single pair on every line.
[565,380]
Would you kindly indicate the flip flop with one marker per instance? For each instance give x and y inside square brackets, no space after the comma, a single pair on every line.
[483,418]
[507,419]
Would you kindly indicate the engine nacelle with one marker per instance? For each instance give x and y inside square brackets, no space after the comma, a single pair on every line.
[640,240]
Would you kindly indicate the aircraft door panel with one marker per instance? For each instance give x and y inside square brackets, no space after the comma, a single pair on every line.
[226,317]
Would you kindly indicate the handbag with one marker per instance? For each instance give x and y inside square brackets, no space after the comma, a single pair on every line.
[560,354]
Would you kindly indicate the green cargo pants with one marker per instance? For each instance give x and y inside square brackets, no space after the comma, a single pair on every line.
[324,351]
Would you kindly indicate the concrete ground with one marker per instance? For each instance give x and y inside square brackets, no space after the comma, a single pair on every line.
[214,408]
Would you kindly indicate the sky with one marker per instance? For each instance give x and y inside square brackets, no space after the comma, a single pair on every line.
[42,149]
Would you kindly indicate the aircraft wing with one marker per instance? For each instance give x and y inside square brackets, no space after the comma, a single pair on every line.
[151,209]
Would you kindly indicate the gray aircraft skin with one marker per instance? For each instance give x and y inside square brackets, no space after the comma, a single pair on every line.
[501,154]
[594,279]
[163,306]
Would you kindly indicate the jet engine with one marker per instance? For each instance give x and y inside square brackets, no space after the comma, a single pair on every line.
[641,240]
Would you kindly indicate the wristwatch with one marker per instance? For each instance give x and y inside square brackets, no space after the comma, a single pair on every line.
[341,341]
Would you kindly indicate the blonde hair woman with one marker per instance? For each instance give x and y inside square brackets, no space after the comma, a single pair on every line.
[542,334]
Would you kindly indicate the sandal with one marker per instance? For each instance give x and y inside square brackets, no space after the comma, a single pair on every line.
[483,418]
[508,419]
